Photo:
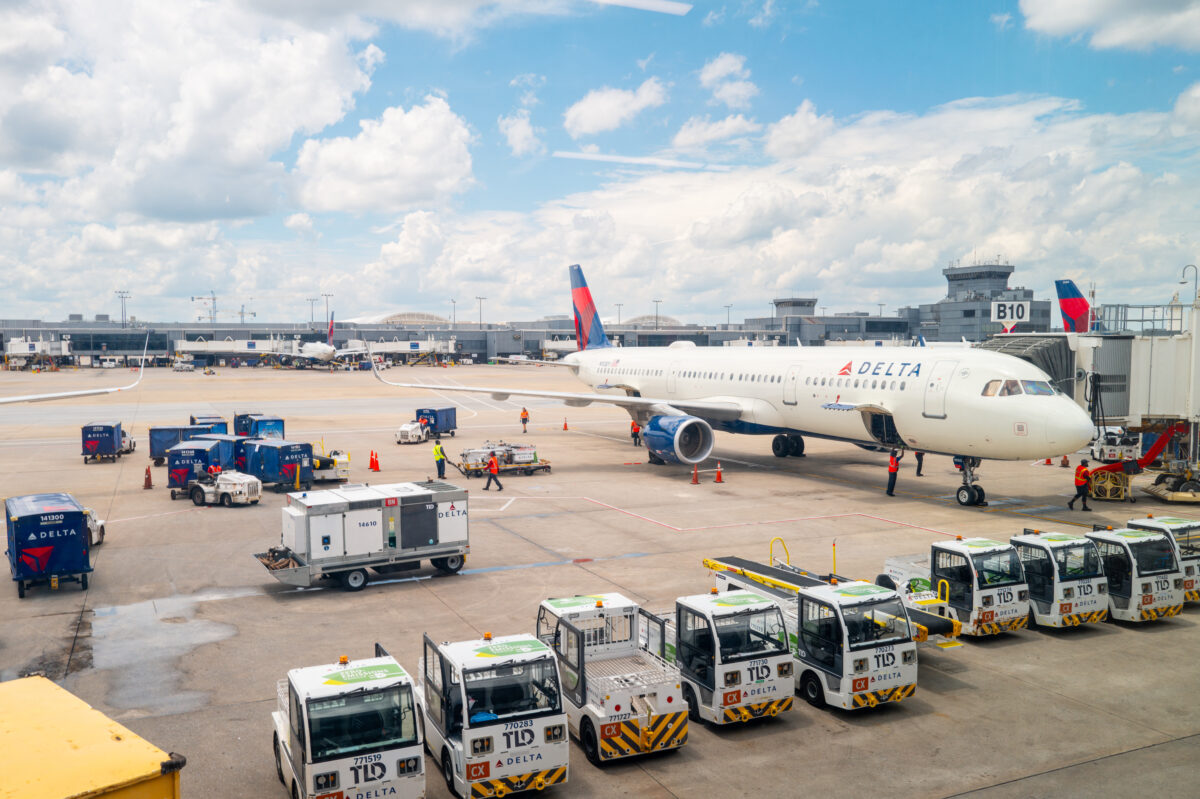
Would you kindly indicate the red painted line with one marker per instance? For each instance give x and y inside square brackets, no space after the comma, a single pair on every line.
[582,560]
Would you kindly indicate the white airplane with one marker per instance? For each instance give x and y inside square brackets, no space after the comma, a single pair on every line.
[326,352]
[970,403]
[86,392]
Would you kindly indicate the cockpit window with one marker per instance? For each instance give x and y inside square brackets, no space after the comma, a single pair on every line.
[1011,388]
[991,388]
[1038,388]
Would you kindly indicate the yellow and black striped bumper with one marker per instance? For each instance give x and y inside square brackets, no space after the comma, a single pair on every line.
[1150,614]
[875,698]
[997,627]
[503,786]
[748,712]
[1192,596]
[625,738]
[1076,619]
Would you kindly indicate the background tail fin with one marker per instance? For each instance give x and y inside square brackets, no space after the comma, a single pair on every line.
[329,335]
[1076,312]
[588,330]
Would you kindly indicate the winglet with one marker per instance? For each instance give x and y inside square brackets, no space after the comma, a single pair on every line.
[588,330]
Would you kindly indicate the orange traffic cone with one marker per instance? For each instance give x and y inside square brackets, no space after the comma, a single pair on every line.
[1048,462]
[719,478]
[695,474]
[377,466]
[564,423]
[149,483]
[1065,463]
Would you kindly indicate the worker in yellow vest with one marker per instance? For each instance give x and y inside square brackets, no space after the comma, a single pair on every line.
[439,458]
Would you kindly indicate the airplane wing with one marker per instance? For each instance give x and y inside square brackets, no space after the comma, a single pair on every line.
[716,410]
[85,392]
[350,351]
[561,364]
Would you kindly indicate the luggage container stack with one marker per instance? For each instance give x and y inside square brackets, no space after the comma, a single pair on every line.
[217,423]
[188,459]
[165,437]
[280,463]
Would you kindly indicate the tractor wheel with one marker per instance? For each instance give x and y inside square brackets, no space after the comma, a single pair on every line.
[354,580]
[197,496]
[226,501]
[810,689]
[591,746]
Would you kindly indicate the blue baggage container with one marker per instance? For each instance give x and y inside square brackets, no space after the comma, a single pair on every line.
[101,440]
[217,423]
[184,458]
[441,420]
[276,461]
[163,438]
[263,426]
[241,423]
[228,451]
[47,538]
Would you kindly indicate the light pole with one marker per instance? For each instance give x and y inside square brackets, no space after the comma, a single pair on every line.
[481,299]
[880,304]
[619,304]
[1195,283]
[244,311]
[124,295]
[656,302]
[312,309]
[326,296]
[453,312]
[727,307]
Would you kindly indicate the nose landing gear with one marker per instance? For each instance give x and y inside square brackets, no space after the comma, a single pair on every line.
[969,493]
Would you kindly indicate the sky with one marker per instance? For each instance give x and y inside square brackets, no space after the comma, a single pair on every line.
[416,155]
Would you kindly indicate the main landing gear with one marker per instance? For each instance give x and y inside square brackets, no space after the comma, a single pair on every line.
[791,444]
[968,493]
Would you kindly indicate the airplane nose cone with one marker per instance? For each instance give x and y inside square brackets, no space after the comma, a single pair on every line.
[1070,429]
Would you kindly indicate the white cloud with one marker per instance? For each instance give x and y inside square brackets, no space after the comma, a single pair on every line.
[1187,107]
[1002,21]
[797,133]
[726,77]
[636,160]
[698,133]
[714,17]
[1114,24]
[764,16]
[528,83]
[404,158]
[520,133]
[660,6]
[645,62]
[300,223]
[608,109]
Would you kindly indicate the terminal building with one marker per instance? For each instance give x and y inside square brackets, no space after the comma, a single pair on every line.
[965,312]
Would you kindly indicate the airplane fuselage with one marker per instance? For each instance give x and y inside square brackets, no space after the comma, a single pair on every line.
[936,400]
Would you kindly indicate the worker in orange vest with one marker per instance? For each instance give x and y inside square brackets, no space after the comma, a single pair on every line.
[635,433]
[893,468]
[1083,479]
[493,467]
[524,420]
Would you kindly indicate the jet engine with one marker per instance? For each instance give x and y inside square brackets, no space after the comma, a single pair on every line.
[678,439]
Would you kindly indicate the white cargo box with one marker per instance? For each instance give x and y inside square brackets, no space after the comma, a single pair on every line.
[356,521]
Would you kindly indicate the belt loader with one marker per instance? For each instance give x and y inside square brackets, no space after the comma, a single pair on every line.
[621,699]
[1144,580]
[1067,587]
[492,714]
[853,643]
[348,730]
[732,652]
[1185,535]
[977,581]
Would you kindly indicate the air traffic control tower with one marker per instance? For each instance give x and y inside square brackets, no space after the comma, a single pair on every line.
[966,310]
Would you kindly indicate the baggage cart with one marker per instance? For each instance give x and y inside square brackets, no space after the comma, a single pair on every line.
[189,459]
[439,421]
[105,441]
[511,458]
[164,437]
[49,540]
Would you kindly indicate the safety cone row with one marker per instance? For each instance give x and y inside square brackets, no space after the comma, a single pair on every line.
[564,423]
[374,464]
[149,483]
[719,478]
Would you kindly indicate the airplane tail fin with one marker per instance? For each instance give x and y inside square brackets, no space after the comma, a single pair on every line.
[1076,312]
[588,330]
[329,335]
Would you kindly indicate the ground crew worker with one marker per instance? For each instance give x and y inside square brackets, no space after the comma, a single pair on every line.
[1083,479]
[493,467]
[439,458]
[424,424]
[893,467]
[635,433]
[920,456]
[524,420]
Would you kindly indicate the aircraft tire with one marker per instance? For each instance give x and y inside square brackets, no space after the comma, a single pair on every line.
[966,495]
[795,446]
[780,446]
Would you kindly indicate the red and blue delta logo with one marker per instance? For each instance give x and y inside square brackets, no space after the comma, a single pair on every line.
[882,369]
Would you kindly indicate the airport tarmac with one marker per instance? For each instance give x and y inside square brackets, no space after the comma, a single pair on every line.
[182,634]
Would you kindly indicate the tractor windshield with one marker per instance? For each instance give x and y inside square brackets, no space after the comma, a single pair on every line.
[515,690]
[750,634]
[999,568]
[360,723]
[1154,556]
[876,623]
[1078,562]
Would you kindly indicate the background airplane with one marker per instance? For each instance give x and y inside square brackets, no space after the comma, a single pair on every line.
[326,352]
[1076,312]
[972,403]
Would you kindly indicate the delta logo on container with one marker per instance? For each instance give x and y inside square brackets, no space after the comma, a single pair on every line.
[37,558]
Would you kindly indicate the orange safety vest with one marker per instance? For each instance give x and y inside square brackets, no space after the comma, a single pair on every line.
[1081,475]
[633,427]
[893,463]
[524,416]
[493,466]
